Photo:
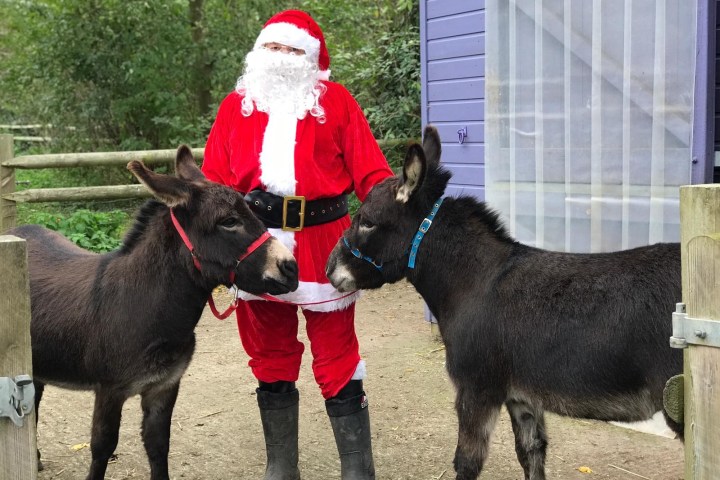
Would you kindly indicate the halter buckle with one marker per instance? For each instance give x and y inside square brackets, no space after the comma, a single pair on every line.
[301,214]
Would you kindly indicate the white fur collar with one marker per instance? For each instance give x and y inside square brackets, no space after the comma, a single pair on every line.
[277,159]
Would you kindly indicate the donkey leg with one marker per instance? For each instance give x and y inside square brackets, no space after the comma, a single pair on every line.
[477,414]
[528,424]
[105,428]
[39,389]
[157,405]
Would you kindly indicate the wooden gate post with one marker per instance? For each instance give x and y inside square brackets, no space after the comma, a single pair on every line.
[18,445]
[700,238]
[7,184]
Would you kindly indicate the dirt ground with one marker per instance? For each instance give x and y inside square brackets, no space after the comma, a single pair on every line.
[216,431]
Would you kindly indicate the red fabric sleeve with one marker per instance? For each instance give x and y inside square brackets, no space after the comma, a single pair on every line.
[362,155]
[216,162]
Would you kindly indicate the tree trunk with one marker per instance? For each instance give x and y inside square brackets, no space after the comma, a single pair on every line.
[203,67]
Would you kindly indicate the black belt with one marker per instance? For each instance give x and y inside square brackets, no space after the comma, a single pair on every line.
[292,212]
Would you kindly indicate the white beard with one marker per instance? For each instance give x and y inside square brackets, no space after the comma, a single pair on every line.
[280,83]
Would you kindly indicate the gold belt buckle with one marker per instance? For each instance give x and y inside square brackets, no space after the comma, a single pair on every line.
[301,215]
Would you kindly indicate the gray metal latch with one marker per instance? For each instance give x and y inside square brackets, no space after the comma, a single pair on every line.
[697,331]
[17,398]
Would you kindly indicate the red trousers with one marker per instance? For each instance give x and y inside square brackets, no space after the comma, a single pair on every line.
[268,332]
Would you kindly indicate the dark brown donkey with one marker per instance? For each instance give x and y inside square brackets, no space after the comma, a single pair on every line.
[584,335]
[122,323]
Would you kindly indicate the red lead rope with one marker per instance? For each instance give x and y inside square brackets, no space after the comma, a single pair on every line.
[233,306]
[253,246]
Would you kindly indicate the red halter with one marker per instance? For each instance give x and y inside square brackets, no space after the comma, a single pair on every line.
[253,246]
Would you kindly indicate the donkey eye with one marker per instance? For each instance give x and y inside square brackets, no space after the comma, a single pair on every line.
[365,223]
[230,222]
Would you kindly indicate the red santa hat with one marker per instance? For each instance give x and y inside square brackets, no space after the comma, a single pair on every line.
[297,29]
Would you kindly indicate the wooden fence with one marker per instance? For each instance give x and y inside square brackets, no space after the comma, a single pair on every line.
[27,129]
[18,446]
[700,239]
[9,196]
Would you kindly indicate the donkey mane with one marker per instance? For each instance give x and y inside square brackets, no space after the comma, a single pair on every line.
[464,206]
[147,211]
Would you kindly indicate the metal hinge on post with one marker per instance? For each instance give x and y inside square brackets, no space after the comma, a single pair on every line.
[17,398]
[695,331]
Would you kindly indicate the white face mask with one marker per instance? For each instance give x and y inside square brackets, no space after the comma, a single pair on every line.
[277,81]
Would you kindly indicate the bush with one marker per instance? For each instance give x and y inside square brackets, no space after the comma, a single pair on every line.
[95,231]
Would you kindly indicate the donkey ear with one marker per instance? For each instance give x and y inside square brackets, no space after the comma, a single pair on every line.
[168,189]
[185,166]
[413,172]
[431,145]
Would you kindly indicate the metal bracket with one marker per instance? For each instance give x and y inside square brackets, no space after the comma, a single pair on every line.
[462,134]
[696,331]
[17,398]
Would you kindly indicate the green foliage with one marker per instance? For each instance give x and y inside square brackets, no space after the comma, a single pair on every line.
[375,51]
[353,204]
[118,75]
[96,231]
[72,177]
[231,27]
[390,89]
[115,71]
[124,75]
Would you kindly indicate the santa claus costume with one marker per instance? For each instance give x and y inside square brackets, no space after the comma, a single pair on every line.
[296,152]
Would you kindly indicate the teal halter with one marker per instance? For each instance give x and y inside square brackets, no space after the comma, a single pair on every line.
[424,227]
[422,230]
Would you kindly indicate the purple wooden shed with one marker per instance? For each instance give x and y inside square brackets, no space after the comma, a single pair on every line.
[577,121]
[595,97]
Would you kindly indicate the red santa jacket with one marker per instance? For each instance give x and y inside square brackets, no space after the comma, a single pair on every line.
[308,157]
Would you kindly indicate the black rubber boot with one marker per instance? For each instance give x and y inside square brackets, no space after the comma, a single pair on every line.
[279,415]
[350,420]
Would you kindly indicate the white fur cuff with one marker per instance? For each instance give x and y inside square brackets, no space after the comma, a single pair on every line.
[290,35]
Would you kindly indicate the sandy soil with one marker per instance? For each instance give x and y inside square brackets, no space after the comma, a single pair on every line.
[217,433]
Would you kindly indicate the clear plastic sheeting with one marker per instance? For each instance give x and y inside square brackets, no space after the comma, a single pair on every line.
[589,119]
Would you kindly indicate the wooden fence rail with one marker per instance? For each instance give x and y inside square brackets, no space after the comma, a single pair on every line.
[26,129]
[9,197]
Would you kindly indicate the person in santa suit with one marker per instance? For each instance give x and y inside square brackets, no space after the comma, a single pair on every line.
[296,144]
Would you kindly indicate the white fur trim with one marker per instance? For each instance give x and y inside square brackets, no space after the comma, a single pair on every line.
[290,35]
[308,292]
[324,75]
[286,237]
[360,371]
[277,159]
